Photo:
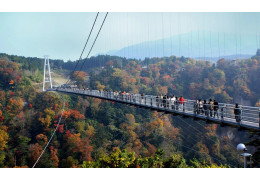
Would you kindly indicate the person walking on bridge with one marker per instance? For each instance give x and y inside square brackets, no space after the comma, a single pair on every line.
[181,102]
[177,104]
[205,107]
[196,107]
[216,107]
[200,107]
[172,100]
[237,112]
[164,101]
[211,107]
[157,101]
[161,100]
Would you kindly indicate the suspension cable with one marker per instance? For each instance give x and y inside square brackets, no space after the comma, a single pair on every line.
[83,48]
[52,134]
[162,36]
[92,44]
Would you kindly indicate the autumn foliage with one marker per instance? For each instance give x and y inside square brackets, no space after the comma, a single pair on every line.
[96,133]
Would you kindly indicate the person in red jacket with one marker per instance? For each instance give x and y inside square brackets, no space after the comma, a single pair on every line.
[181,101]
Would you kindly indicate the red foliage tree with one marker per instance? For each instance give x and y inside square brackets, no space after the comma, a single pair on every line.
[35,151]
[61,128]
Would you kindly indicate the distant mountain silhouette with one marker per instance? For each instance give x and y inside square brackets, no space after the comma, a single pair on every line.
[200,45]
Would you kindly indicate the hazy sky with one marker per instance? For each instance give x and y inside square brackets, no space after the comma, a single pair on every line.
[62,35]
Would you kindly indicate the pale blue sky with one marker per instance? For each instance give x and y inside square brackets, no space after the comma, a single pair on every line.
[62,35]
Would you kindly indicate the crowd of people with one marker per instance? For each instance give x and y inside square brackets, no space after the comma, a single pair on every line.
[201,107]
[176,103]
[210,108]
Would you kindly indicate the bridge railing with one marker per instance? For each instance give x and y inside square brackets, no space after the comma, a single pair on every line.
[224,112]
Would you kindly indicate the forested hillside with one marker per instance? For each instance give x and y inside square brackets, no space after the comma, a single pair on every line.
[96,133]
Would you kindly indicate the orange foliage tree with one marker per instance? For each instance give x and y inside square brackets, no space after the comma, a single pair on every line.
[151,149]
[79,77]
[9,73]
[53,156]
[35,151]
[73,114]
[76,144]
[164,90]
[86,149]
[3,138]
[1,116]
[42,139]
[14,106]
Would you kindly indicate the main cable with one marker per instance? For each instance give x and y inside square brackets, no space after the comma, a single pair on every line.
[84,47]
[93,44]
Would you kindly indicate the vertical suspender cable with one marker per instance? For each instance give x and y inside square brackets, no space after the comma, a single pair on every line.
[199,43]
[179,28]
[84,47]
[124,38]
[224,44]
[162,36]
[218,38]
[148,40]
[93,42]
[127,32]
[171,33]
[257,46]
[199,40]
[240,39]
[132,38]
[191,38]
[204,41]
[236,36]
[188,36]
[210,41]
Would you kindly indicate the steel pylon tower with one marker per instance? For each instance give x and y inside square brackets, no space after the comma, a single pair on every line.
[46,76]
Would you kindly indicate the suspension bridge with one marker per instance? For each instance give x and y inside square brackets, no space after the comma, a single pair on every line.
[248,117]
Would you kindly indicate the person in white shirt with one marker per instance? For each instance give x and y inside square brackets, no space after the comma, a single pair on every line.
[172,101]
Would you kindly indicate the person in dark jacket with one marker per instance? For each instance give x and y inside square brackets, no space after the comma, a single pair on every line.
[164,101]
[237,112]
[200,107]
[157,101]
[205,107]
[211,107]
[177,104]
[216,107]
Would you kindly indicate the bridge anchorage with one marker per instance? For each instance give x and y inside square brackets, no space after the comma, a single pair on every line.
[249,117]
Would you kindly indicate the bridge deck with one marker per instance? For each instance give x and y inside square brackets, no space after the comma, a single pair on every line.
[249,117]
